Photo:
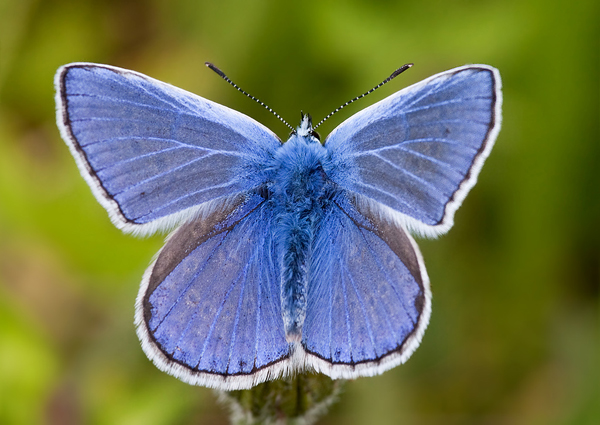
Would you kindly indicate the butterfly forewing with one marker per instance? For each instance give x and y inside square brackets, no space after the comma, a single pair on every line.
[152,152]
[420,150]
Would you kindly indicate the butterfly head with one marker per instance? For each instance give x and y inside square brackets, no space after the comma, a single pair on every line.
[305,129]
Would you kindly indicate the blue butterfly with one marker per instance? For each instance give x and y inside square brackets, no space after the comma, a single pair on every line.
[286,256]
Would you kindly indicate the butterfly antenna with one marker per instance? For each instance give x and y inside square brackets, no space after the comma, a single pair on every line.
[387,80]
[226,78]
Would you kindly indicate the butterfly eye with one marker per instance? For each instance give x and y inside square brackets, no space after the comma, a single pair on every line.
[315,135]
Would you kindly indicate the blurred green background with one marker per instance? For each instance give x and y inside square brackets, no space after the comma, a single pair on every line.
[513,337]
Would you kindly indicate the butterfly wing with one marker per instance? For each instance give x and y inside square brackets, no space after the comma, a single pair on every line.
[209,311]
[419,151]
[153,153]
[369,301]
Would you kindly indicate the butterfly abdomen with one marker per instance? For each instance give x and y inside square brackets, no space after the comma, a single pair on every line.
[298,192]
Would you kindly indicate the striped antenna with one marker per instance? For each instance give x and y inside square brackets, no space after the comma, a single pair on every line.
[226,78]
[387,80]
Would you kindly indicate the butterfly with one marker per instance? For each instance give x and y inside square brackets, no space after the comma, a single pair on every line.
[286,257]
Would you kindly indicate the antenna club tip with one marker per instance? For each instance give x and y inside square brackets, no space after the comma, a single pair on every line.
[215,69]
[400,70]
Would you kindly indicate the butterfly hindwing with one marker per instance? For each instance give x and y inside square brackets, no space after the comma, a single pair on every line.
[209,309]
[419,151]
[152,152]
[369,300]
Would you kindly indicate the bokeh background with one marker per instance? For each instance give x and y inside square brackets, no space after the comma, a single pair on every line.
[514,334]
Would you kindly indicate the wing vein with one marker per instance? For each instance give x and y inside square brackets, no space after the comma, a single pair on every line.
[343,287]
[135,158]
[406,172]
[436,88]
[258,316]
[114,99]
[225,298]
[235,325]
[443,103]
[164,173]
[154,139]
[377,189]
[214,322]
[430,159]
[452,120]
[364,312]
[191,281]
[166,205]
[380,300]
[411,141]
[385,272]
